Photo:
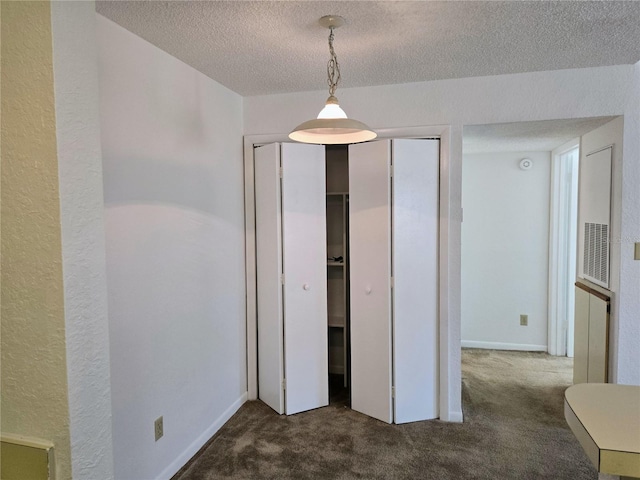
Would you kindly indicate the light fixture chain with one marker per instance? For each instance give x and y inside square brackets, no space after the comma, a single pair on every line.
[333,68]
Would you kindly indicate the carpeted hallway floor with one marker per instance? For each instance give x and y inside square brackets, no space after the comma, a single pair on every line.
[514,429]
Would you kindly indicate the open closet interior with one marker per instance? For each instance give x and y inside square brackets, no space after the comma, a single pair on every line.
[337,181]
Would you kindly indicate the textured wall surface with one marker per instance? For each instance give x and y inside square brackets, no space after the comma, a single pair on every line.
[83,246]
[589,92]
[505,250]
[627,360]
[174,220]
[34,381]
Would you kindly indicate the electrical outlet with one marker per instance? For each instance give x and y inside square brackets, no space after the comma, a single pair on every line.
[524,320]
[159,428]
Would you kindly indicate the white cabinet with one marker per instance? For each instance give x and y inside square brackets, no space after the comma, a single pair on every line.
[591,337]
[393,232]
[291,275]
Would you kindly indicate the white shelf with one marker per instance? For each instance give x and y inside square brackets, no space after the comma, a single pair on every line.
[335,264]
[336,321]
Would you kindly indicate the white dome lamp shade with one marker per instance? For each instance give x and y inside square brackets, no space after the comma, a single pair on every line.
[332,126]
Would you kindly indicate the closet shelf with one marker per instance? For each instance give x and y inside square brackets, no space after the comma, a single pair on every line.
[336,321]
[335,264]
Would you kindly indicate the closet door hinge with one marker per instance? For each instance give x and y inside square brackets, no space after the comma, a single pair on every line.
[284,384]
[280,171]
[391,170]
[392,282]
[393,392]
[282,279]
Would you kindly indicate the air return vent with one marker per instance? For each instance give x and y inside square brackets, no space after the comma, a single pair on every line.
[596,253]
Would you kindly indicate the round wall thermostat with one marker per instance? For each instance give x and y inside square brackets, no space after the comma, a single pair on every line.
[526,164]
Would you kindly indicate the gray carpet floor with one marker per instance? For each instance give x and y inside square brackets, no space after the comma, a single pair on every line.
[514,428]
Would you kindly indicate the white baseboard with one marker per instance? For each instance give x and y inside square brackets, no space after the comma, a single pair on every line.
[199,442]
[453,417]
[503,346]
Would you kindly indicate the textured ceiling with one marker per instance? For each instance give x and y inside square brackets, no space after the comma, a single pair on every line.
[265,47]
[541,136]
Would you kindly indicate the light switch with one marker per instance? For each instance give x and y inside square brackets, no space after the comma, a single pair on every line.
[636,255]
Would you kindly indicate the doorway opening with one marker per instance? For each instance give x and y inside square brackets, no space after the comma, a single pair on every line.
[519,244]
[563,241]
[519,234]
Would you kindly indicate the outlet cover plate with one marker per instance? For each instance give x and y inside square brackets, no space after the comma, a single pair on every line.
[159,428]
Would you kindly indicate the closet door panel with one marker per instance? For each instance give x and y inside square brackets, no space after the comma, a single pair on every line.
[370,240]
[305,273]
[415,274]
[269,269]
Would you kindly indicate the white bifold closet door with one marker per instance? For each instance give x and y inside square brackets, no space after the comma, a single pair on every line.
[291,276]
[393,215]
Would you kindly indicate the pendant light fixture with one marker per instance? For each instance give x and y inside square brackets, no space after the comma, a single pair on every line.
[332,125]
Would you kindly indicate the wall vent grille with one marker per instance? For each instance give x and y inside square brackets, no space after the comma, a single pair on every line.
[596,252]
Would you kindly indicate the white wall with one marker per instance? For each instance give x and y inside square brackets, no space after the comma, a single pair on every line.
[626,313]
[505,250]
[83,247]
[173,186]
[560,94]
[576,93]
